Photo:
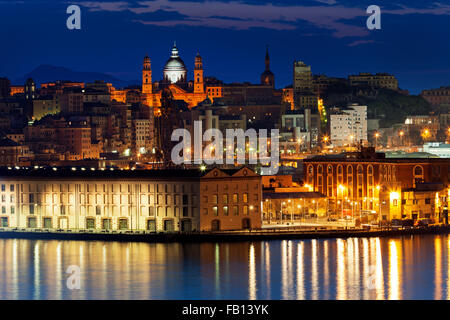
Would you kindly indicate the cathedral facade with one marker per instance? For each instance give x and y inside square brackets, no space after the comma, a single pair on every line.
[175,80]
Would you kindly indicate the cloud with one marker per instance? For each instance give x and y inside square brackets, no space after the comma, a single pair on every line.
[340,20]
[105,6]
[359,42]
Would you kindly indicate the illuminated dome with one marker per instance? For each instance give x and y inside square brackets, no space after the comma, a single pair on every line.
[175,69]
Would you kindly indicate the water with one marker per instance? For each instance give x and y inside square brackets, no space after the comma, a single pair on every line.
[415,267]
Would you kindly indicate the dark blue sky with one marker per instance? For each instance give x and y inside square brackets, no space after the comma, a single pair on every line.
[330,35]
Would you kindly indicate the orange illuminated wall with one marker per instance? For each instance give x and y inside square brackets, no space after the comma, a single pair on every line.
[17,89]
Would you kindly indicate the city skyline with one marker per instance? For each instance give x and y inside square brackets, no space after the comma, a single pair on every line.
[232,50]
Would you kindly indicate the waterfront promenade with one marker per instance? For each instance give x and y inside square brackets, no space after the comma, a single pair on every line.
[280,233]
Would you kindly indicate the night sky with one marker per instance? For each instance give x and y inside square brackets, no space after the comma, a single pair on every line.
[231,36]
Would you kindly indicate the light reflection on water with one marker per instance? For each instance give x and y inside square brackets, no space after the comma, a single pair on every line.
[416,267]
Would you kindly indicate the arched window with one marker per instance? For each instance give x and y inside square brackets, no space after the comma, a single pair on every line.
[350,181]
[330,181]
[340,175]
[418,171]
[360,181]
[310,175]
[320,178]
[417,174]
[370,181]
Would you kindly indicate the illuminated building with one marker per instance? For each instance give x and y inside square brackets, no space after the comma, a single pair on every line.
[349,126]
[366,181]
[175,79]
[152,200]
[30,89]
[379,80]
[230,200]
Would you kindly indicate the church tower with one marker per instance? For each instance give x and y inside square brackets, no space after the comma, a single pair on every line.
[199,86]
[267,77]
[147,76]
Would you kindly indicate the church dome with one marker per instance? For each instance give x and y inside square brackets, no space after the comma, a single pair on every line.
[175,70]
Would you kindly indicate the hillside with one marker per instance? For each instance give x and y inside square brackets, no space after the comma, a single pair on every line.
[390,106]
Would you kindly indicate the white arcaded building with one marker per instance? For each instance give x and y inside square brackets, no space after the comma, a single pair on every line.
[129,200]
[158,200]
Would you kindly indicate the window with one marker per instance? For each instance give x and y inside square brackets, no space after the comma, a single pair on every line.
[106,224]
[123,224]
[215,211]
[11,188]
[245,197]
[151,225]
[185,199]
[3,210]
[236,210]
[427,201]
[13,210]
[3,187]
[168,225]
[31,209]
[185,212]
[90,223]
[225,198]
[4,222]
[215,199]
[98,210]
[235,198]
[48,223]
[225,210]
[62,210]
[32,222]
[245,210]
[31,198]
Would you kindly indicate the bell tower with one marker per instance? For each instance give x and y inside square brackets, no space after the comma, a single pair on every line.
[147,76]
[199,86]
[267,77]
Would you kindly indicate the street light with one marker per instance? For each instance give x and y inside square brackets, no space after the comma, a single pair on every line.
[426,134]
[401,134]
[377,135]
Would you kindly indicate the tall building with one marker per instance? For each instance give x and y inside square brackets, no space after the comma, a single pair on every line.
[267,77]
[30,89]
[349,126]
[302,77]
[303,95]
[5,87]
[199,85]
[147,76]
